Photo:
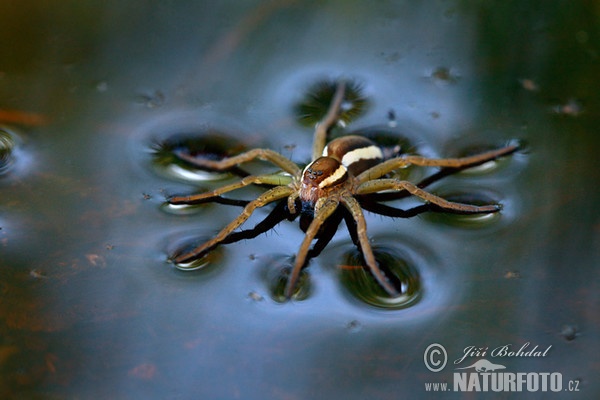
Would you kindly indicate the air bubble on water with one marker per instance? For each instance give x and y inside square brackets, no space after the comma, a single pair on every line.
[569,332]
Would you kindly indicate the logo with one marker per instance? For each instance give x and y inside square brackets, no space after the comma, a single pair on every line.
[435,357]
[484,366]
[482,375]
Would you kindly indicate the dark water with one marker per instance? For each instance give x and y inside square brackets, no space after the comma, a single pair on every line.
[91,308]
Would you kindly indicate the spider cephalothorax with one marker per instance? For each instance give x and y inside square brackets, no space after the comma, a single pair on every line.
[343,173]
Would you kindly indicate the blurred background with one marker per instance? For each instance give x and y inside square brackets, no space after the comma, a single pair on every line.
[90,307]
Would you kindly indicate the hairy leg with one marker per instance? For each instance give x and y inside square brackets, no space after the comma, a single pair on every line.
[393,184]
[270,196]
[262,154]
[465,162]
[361,230]
[277,214]
[274,180]
[330,119]
[323,210]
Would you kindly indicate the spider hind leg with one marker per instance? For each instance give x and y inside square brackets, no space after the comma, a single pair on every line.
[324,209]
[270,196]
[365,246]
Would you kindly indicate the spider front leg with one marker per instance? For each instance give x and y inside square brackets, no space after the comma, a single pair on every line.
[273,180]
[361,230]
[330,119]
[262,154]
[323,209]
[270,196]
[459,163]
[378,185]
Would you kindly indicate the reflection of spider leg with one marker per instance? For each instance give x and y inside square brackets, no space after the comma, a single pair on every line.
[351,226]
[330,119]
[466,162]
[230,162]
[269,196]
[361,231]
[323,210]
[327,233]
[274,180]
[389,211]
[277,214]
[393,184]
[228,202]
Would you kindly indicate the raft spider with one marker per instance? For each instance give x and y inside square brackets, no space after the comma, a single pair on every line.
[342,174]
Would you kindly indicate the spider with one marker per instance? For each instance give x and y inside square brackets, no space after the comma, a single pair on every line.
[341,176]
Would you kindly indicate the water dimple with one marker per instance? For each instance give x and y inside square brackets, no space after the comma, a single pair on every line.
[181,209]
[7,145]
[314,105]
[193,265]
[188,243]
[194,175]
[169,156]
[473,221]
[275,274]
[399,270]
[489,166]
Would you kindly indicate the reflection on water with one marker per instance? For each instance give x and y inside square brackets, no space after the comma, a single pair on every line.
[210,144]
[398,268]
[181,242]
[317,98]
[275,270]
[6,150]
[468,195]
[8,147]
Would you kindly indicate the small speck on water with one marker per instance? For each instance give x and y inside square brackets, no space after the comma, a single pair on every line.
[569,332]
[353,326]
[254,296]
[512,275]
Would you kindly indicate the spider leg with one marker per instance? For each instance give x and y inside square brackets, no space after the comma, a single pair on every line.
[361,231]
[273,179]
[394,184]
[460,163]
[323,210]
[269,196]
[330,119]
[262,154]
[291,202]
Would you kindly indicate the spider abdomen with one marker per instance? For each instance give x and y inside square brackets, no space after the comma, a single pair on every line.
[356,153]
